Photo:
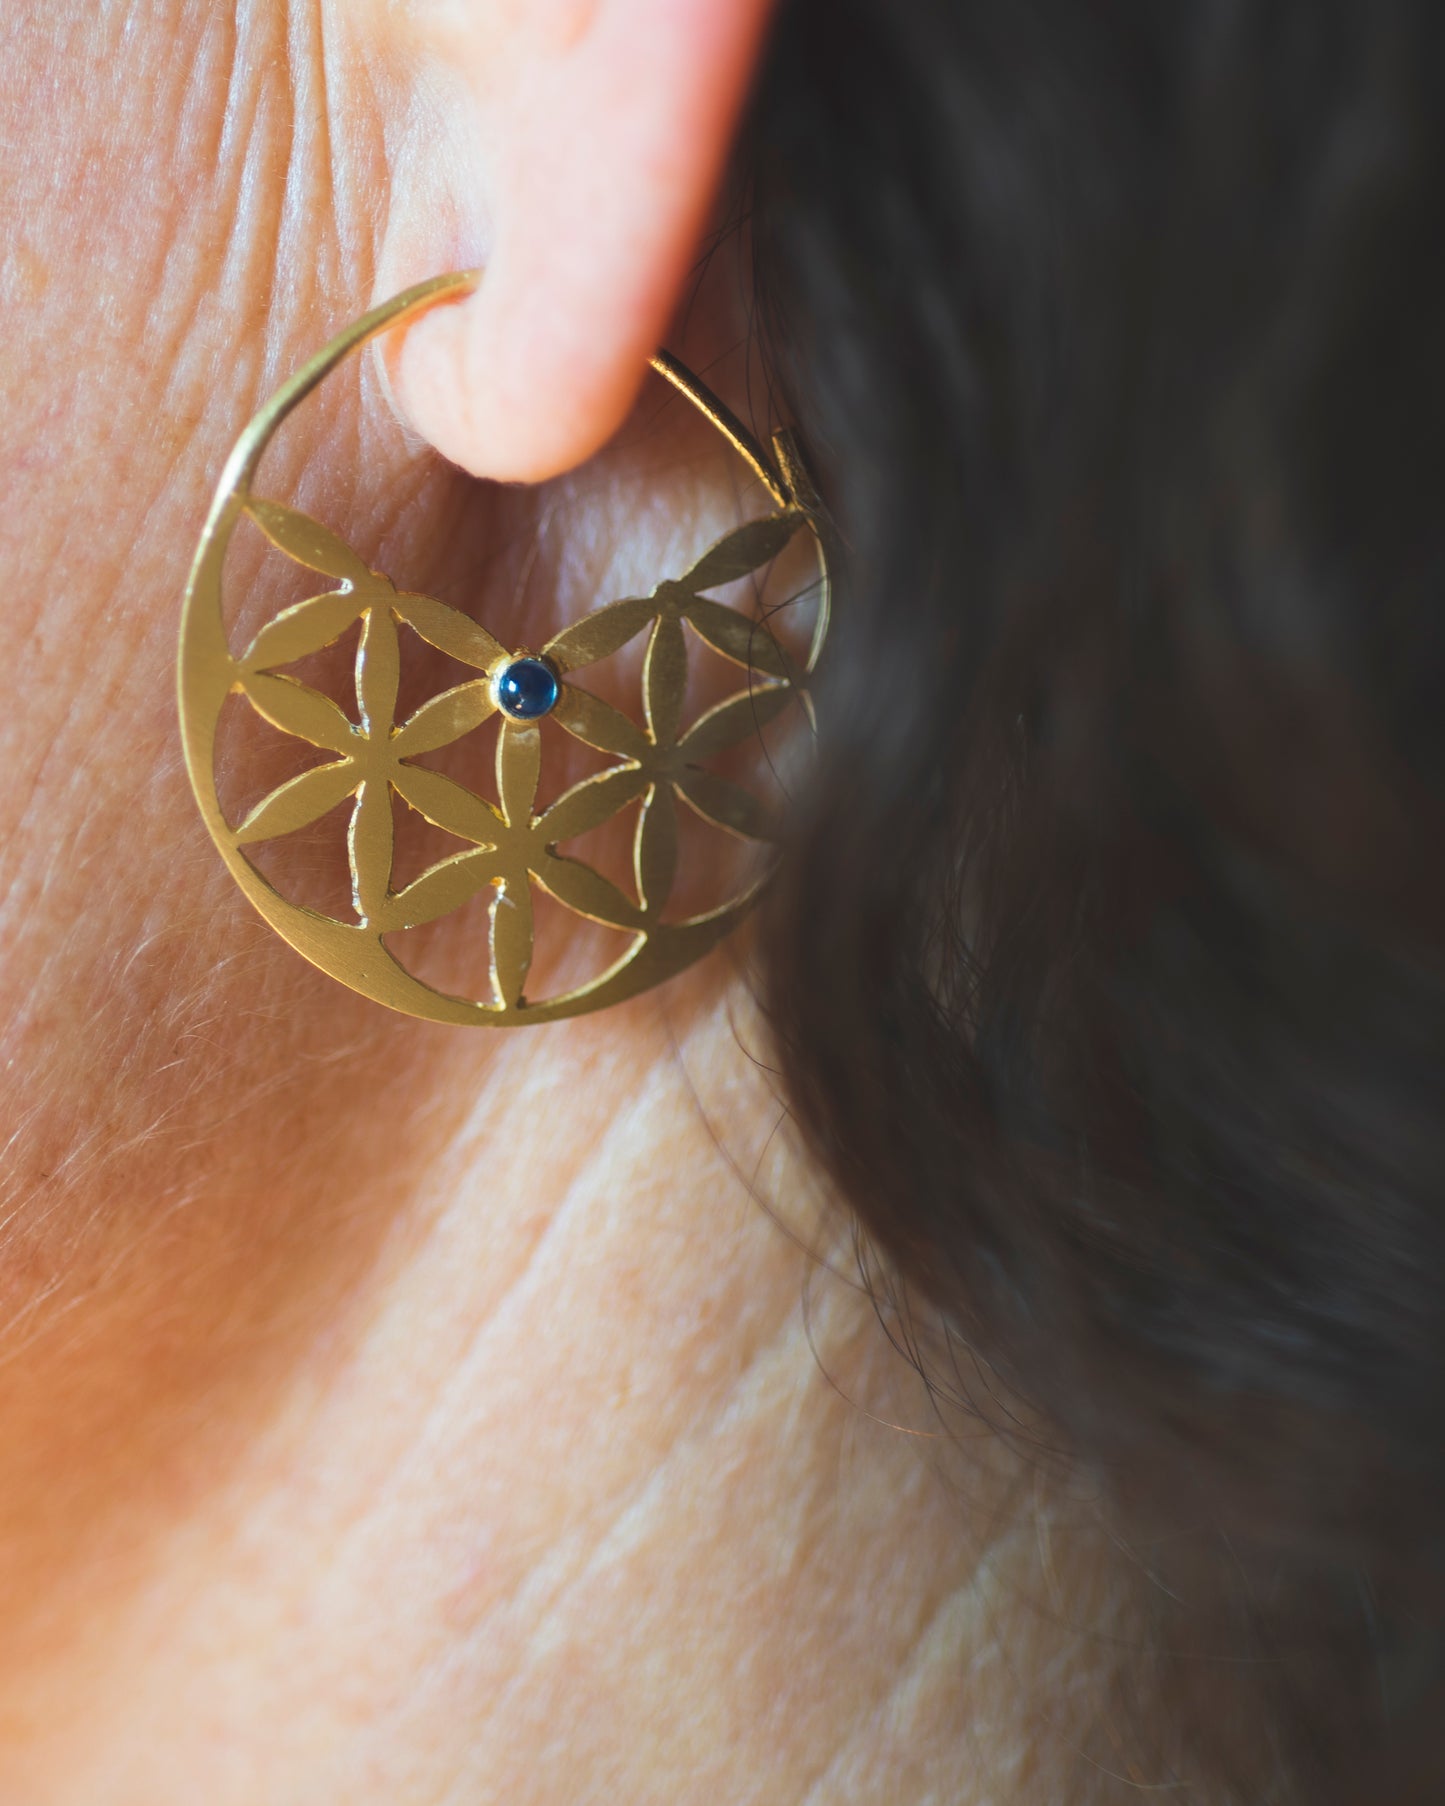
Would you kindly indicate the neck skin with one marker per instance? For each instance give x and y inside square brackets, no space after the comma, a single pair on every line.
[392,1413]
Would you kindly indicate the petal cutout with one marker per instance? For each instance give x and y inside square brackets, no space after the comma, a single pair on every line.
[449,630]
[369,844]
[445,718]
[511,940]
[587,892]
[597,723]
[654,853]
[740,637]
[727,805]
[298,709]
[746,548]
[447,804]
[600,634]
[304,627]
[442,888]
[308,542]
[664,679]
[730,722]
[298,802]
[590,803]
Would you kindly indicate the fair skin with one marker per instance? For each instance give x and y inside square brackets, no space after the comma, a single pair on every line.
[390,1412]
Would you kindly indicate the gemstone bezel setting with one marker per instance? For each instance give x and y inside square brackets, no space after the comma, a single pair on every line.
[525,687]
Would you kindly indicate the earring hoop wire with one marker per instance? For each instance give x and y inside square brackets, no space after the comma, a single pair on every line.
[511,845]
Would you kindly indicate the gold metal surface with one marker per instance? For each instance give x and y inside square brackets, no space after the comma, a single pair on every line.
[512,846]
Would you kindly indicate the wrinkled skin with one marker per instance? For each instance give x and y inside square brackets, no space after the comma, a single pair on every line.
[391,1413]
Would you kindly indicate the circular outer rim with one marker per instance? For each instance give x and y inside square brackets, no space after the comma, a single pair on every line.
[207,672]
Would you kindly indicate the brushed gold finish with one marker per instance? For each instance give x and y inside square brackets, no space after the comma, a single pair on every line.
[512,846]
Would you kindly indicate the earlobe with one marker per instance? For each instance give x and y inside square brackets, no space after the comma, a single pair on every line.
[594,137]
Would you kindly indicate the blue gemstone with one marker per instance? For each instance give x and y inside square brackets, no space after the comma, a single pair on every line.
[527,689]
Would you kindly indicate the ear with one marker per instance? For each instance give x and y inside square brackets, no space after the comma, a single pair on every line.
[579,154]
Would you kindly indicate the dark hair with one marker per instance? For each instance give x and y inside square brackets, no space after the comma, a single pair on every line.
[1106,967]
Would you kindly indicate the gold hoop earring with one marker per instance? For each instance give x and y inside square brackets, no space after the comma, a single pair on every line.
[510,845]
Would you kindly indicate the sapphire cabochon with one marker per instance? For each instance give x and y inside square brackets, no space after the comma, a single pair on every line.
[526,689]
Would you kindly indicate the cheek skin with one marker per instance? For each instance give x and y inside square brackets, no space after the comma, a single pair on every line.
[198,1129]
[205,1143]
[175,1105]
[386,1412]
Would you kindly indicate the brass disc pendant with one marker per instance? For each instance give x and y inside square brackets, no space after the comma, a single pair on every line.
[510,844]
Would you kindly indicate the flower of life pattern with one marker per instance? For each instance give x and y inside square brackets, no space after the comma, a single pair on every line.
[511,844]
